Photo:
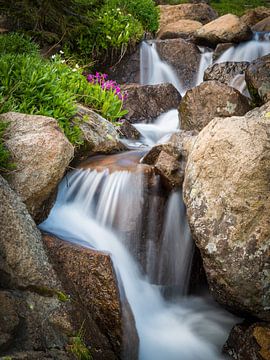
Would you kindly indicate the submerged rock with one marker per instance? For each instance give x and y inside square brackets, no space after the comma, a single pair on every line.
[258,79]
[99,135]
[226,191]
[197,12]
[88,277]
[41,153]
[147,102]
[179,29]
[225,72]
[225,29]
[208,100]
[249,342]
[183,56]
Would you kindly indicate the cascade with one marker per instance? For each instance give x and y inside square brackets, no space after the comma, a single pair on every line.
[115,204]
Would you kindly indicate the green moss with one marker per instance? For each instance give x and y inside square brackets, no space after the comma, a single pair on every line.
[78,347]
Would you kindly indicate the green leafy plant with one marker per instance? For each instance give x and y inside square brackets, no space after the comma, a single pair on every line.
[15,43]
[78,347]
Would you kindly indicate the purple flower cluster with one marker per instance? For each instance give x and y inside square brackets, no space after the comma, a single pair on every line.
[110,85]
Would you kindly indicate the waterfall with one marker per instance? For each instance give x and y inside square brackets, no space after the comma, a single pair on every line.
[154,71]
[89,211]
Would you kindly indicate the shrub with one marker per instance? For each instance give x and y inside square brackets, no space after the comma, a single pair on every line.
[31,85]
[15,43]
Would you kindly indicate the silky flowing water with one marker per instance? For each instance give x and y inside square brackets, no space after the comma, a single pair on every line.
[116,204]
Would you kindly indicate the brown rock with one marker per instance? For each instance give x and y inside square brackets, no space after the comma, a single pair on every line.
[99,135]
[208,100]
[252,17]
[89,277]
[179,29]
[183,56]
[146,102]
[197,12]
[249,342]
[220,49]
[9,319]
[226,191]
[262,26]
[128,131]
[225,29]
[41,153]
[225,72]
[258,79]
[169,159]
[23,261]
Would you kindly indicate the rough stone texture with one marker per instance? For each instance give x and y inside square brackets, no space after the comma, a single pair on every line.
[227,28]
[252,17]
[258,79]
[183,56]
[198,12]
[128,70]
[88,276]
[220,49]
[146,102]
[208,100]
[23,261]
[100,136]
[179,29]
[226,191]
[169,159]
[41,153]
[225,72]
[249,342]
[263,25]
[128,131]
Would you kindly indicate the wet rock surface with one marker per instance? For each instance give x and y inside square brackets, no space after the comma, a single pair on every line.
[262,26]
[249,342]
[183,56]
[147,102]
[128,131]
[225,72]
[227,207]
[88,277]
[227,28]
[258,79]
[208,100]
[99,135]
[220,49]
[41,153]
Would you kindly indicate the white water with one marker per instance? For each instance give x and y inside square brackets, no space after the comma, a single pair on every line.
[154,71]
[88,207]
[205,62]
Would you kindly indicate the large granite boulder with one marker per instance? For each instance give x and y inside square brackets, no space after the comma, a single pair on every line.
[249,342]
[225,72]
[183,56]
[41,153]
[253,16]
[99,135]
[226,192]
[179,29]
[258,79]
[208,100]
[88,277]
[262,26]
[147,102]
[225,29]
[198,12]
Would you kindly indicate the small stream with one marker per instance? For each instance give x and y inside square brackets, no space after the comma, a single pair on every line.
[116,204]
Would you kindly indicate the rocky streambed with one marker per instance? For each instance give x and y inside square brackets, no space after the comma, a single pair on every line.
[110,271]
